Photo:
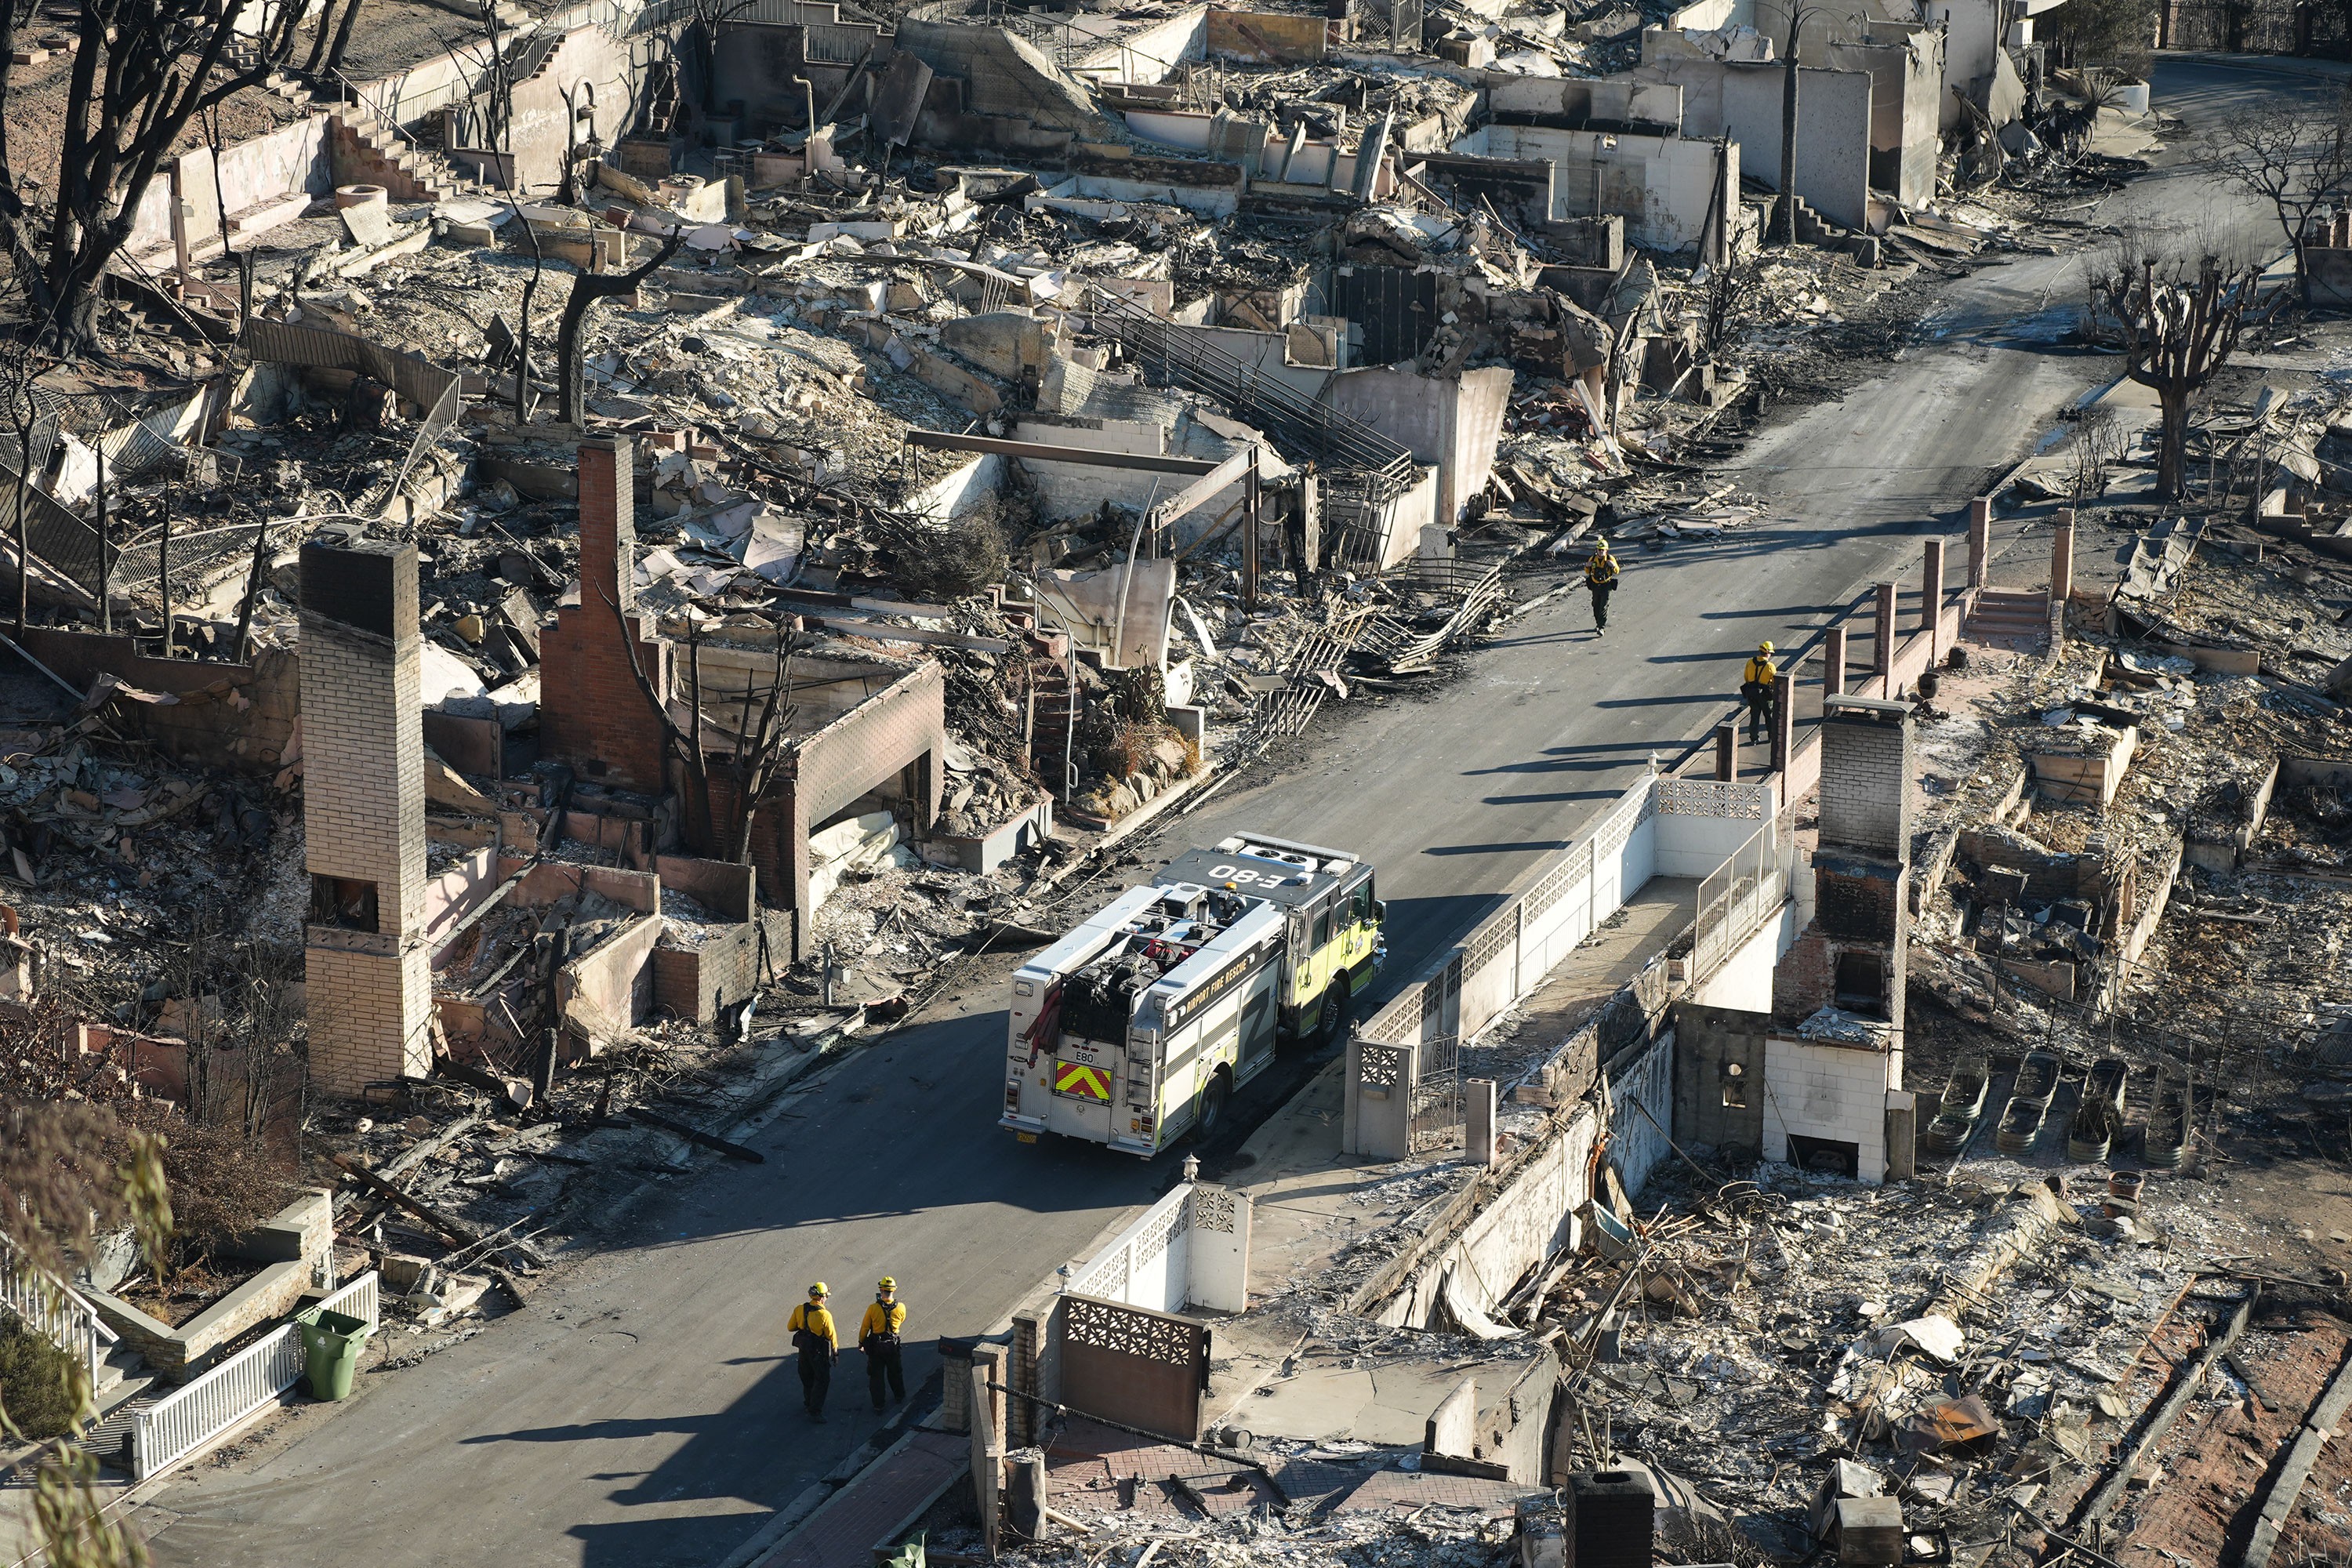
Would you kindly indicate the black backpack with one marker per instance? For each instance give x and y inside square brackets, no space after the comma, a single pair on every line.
[886,1339]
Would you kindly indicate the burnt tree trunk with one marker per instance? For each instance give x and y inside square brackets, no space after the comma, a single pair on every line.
[586,289]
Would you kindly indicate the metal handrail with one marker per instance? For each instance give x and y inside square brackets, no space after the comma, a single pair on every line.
[1312,427]
[1737,897]
[49,1307]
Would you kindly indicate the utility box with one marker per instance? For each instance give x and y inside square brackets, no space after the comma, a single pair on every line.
[1869,1532]
[1611,1519]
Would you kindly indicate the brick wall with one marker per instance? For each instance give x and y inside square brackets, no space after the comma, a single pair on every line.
[236,716]
[593,713]
[370,993]
[695,983]
[1832,1093]
[1866,776]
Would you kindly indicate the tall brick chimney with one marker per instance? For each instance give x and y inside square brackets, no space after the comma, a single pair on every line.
[1862,871]
[608,523]
[593,713]
[368,974]
[1866,776]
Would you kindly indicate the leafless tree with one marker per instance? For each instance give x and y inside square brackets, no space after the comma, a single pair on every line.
[586,289]
[2297,157]
[758,745]
[333,35]
[1730,289]
[142,70]
[695,37]
[1784,211]
[21,366]
[523,316]
[2179,324]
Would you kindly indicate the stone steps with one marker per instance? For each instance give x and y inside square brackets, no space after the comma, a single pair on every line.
[407,171]
[2009,614]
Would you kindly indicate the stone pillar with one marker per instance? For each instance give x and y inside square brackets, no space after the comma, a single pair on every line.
[1833,662]
[1902,1133]
[2062,558]
[1980,540]
[1784,717]
[369,981]
[1882,655]
[1378,1123]
[1478,1120]
[1931,597]
[1727,751]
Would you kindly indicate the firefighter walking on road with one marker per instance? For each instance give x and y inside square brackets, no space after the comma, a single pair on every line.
[1755,684]
[1601,574]
[881,1338]
[818,1347]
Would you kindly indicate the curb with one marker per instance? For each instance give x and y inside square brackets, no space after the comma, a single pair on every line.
[2290,65]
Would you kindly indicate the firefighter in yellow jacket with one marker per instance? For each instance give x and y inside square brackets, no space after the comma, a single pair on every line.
[1601,574]
[880,1337]
[1756,681]
[818,1347]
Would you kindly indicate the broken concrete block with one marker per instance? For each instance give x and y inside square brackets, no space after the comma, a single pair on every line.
[406,1274]
[519,615]
[445,786]
[1452,1427]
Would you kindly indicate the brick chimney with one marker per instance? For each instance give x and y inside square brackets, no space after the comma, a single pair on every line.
[368,974]
[1866,776]
[1853,955]
[608,523]
[592,712]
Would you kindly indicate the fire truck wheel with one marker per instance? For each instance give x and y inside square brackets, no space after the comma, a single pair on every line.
[1337,1000]
[1213,1105]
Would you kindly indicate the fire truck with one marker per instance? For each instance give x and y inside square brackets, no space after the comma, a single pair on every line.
[1135,1028]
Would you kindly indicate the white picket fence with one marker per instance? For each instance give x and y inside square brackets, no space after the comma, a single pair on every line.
[191,1416]
[50,1309]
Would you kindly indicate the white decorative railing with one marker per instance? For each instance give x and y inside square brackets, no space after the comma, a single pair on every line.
[191,1416]
[48,1307]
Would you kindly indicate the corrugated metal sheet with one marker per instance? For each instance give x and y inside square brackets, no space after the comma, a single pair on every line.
[414,377]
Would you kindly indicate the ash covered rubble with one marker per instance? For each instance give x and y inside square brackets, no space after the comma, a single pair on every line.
[998,426]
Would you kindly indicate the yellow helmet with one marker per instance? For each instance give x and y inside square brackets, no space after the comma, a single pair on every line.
[1764,648]
[818,1290]
[886,1283]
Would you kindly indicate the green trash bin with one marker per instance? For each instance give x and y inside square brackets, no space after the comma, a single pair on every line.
[331,1350]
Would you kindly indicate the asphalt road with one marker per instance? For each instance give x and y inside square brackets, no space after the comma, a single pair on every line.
[643,1411]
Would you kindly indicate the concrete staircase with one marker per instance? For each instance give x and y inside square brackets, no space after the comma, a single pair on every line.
[2003,616]
[125,1387]
[1815,230]
[367,155]
[290,88]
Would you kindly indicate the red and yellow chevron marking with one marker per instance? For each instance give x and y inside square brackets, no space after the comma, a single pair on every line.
[1079,1079]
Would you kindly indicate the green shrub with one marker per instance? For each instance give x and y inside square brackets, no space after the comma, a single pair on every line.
[41,1387]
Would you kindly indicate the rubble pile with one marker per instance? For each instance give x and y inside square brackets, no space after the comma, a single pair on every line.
[1821,1322]
[1432,1537]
